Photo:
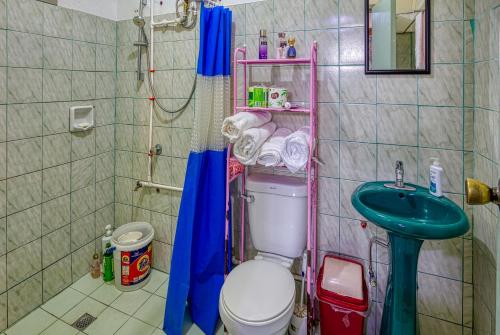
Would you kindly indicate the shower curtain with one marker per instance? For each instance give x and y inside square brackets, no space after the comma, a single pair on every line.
[197,268]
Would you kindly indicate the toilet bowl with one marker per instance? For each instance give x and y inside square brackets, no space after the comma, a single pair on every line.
[258,298]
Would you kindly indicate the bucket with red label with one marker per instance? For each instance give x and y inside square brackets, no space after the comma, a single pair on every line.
[133,255]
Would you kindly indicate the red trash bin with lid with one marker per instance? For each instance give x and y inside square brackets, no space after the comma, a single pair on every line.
[343,295]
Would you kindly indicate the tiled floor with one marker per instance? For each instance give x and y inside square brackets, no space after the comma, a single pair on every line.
[122,313]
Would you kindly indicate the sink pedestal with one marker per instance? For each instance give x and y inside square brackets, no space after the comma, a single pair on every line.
[400,308]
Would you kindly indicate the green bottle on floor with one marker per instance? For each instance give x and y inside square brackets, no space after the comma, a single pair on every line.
[107,264]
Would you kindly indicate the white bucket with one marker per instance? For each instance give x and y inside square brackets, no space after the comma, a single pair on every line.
[133,255]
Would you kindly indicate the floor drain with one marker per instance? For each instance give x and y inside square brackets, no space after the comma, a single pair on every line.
[83,322]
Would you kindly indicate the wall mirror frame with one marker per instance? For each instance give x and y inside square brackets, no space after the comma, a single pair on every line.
[410,24]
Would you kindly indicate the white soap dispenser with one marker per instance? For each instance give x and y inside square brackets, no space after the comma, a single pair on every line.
[435,178]
[106,239]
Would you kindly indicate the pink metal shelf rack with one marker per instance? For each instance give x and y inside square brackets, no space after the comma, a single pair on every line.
[235,170]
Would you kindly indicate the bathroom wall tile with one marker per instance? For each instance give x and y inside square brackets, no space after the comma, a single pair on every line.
[328,202]
[123,163]
[328,84]
[104,138]
[162,226]
[328,121]
[124,137]
[106,31]
[328,39]
[25,15]
[127,56]
[351,13]
[105,111]
[321,15]
[3,122]
[82,202]
[24,120]
[355,86]
[56,149]
[84,56]
[24,156]
[56,181]
[3,197]
[24,262]
[3,14]
[346,208]
[447,10]
[3,46]
[358,122]
[24,191]
[183,54]
[82,144]
[103,217]
[440,297]
[291,15]
[447,42]
[55,214]
[84,27]
[352,47]
[3,274]
[397,124]
[56,85]
[55,117]
[24,298]
[442,87]
[56,278]
[397,89]
[105,58]
[442,258]
[183,82]
[80,260]
[105,85]
[328,233]
[354,239]
[82,173]
[3,161]
[329,154]
[23,227]
[25,85]
[82,231]
[55,246]
[105,166]
[104,193]
[387,155]
[84,85]
[3,237]
[126,32]
[24,50]
[357,161]
[430,325]
[3,85]
[440,127]
[58,22]
[162,256]
[259,15]
[124,190]
[164,56]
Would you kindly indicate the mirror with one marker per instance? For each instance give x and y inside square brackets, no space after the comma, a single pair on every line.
[397,36]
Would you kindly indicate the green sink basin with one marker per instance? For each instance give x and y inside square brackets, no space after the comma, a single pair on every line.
[410,217]
[415,214]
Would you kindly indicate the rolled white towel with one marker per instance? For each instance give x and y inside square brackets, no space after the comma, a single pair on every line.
[234,126]
[270,153]
[246,149]
[296,152]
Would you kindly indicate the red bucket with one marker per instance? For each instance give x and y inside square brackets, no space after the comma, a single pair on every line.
[343,296]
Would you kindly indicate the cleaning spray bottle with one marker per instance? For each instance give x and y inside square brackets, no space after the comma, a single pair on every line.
[107,264]
[106,239]
[435,178]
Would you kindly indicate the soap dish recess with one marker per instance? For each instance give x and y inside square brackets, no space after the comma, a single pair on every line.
[81,118]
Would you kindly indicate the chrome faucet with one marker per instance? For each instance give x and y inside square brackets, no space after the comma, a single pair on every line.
[400,175]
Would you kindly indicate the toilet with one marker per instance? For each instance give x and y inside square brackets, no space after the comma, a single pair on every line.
[258,296]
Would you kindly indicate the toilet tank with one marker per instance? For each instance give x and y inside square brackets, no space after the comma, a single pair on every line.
[277,214]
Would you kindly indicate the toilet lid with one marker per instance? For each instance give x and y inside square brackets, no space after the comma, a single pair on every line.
[258,290]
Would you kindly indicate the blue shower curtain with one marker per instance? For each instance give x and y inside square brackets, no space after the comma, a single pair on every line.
[197,268]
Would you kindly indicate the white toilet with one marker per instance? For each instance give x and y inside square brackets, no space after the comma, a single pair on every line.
[258,296]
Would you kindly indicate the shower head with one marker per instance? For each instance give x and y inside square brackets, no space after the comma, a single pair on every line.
[139,21]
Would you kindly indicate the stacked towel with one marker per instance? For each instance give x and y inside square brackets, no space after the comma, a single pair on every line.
[234,126]
[246,149]
[296,152]
[270,154]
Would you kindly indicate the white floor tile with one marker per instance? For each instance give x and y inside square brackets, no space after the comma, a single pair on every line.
[33,324]
[129,302]
[158,332]
[60,328]
[63,302]
[107,323]
[135,327]
[106,293]
[157,279]
[152,312]
[88,305]
[162,291]
[87,284]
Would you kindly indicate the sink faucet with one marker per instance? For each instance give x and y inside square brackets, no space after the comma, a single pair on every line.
[400,173]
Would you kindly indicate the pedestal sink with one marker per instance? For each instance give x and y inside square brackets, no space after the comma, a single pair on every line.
[410,217]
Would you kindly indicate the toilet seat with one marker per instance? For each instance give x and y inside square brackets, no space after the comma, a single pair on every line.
[258,292]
